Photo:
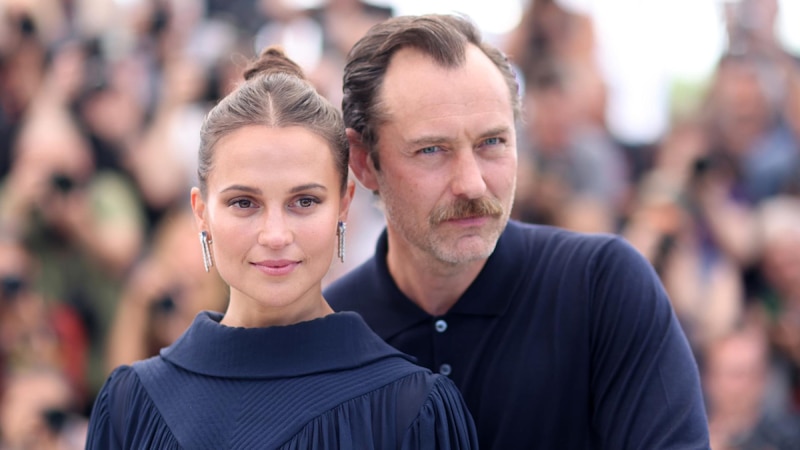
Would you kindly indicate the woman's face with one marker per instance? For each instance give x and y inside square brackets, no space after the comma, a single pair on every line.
[272,207]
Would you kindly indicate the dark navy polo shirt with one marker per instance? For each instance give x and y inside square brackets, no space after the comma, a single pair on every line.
[563,341]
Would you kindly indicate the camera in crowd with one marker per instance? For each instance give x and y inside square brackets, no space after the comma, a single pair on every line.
[11,285]
[62,183]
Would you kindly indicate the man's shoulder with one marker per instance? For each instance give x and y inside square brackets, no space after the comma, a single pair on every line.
[550,251]
[544,238]
[550,232]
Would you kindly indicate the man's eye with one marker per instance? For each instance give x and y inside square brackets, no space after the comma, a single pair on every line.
[431,149]
[493,141]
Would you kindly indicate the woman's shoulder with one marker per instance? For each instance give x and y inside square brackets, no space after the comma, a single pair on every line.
[123,393]
[124,415]
[121,379]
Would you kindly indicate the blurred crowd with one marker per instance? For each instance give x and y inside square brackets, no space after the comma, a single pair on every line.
[100,107]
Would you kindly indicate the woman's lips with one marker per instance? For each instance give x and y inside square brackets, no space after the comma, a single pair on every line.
[277,267]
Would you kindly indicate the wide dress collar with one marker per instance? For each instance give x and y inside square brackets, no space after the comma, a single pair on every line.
[338,341]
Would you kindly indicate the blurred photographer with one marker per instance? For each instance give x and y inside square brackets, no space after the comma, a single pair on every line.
[737,376]
[36,331]
[53,182]
[778,293]
[85,227]
[753,102]
[39,411]
[667,227]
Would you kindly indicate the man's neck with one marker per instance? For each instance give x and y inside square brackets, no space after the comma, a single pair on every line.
[432,285]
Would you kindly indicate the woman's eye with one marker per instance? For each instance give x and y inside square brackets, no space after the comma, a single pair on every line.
[242,203]
[306,202]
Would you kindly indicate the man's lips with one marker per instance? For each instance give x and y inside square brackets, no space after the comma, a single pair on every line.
[469,221]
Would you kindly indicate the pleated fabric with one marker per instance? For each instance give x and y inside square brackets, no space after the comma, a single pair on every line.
[329,383]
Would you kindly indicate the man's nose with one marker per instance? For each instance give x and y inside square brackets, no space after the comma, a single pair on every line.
[467,178]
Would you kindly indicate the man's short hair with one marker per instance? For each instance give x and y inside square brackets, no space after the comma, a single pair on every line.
[443,37]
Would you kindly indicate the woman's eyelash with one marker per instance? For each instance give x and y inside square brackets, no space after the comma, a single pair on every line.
[307,202]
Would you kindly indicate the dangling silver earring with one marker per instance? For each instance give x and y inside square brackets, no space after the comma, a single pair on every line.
[340,233]
[204,241]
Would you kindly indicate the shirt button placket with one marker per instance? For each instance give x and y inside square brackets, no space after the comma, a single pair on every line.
[441,326]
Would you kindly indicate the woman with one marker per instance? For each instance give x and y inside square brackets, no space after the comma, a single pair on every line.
[279,369]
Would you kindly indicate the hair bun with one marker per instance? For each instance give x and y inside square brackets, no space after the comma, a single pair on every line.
[273,60]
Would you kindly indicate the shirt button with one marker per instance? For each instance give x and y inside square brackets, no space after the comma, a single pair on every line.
[445,369]
[441,326]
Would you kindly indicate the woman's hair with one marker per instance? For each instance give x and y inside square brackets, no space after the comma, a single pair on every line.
[276,94]
[443,37]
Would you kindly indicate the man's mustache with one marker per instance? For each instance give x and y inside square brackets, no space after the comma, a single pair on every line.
[467,208]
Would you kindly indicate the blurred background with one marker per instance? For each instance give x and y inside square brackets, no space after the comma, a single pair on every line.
[673,123]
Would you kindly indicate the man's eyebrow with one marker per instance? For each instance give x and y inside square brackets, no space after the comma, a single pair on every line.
[498,130]
[423,141]
[440,139]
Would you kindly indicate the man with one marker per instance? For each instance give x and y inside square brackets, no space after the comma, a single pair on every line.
[557,340]
[736,376]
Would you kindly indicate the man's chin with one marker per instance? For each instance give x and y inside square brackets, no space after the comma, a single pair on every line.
[466,249]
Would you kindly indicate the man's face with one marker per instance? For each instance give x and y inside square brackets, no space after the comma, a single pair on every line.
[447,154]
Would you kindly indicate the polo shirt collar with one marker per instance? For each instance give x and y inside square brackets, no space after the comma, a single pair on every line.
[488,295]
[335,342]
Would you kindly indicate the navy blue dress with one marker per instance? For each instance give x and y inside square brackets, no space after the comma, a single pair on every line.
[329,383]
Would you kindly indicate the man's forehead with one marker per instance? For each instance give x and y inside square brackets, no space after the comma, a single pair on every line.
[415,78]
[411,62]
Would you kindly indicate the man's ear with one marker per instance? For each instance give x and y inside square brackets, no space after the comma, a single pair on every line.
[360,161]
